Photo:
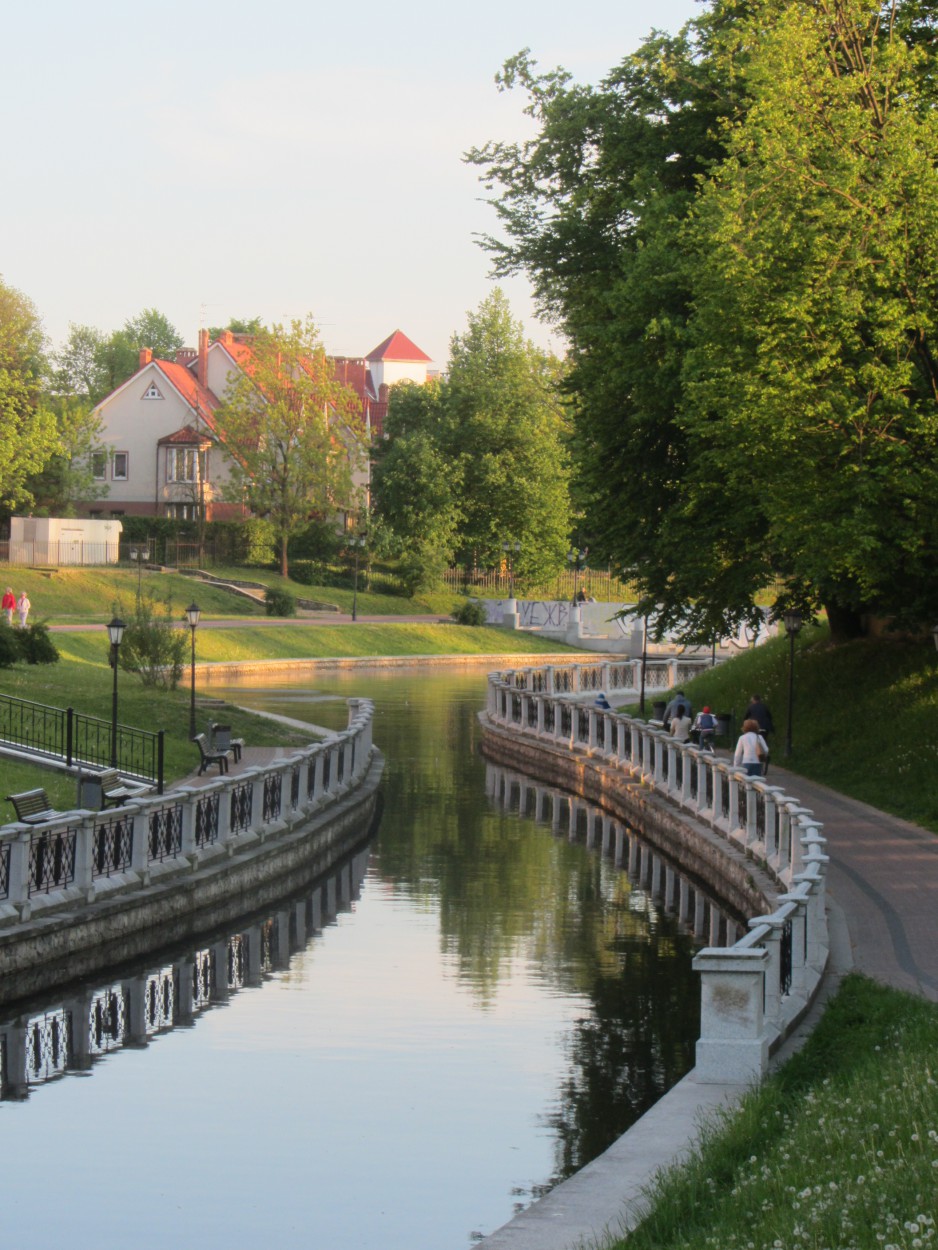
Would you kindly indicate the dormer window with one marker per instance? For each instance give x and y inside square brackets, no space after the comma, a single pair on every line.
[152,392]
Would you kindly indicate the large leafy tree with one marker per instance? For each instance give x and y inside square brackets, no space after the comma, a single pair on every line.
[29,429]
[736,229]
[292,433]
[91,364]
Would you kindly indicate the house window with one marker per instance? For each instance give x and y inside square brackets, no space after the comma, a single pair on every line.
[99,465]
[117,512]
[120,466]
[152,392]
[182,464]
[94,512]
[183,511]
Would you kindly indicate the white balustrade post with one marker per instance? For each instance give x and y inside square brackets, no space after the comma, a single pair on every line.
[770,930]
[799,945]
[84,853]
[18,890]
[659,745]
[732,1048]
[539,707]
[186,797]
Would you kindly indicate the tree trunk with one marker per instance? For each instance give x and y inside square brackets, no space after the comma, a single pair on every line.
[845,623]
[284,562]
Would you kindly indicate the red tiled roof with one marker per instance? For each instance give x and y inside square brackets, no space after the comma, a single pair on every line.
[398,346]
[199,398]
[188,436]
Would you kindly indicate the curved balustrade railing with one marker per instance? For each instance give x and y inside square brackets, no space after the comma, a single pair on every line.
[619,676]
[82,855]
[753,992]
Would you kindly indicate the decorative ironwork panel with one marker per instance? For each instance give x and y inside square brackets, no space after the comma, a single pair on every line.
[242,797]
[694,777]
[113,845]
[33,725]
[591,678]
[563,680]
[760,815]
[532,714]
[165,840]
[326,769]
[4,870]
[725,796]
[340,764]
[51,860]
[311,778]
[539,681]
[566,720]
[107,1021]
[516,709]
[273,793]
[784,963]
[708,788]
[549,717]
[295,787]
[657,677]
[582,725]
[48,1045]
[206,819]
[160,1000]
[268,929]
[203,978]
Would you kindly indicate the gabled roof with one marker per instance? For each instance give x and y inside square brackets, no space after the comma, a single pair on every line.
[398,346]
[188,436]
[199,398]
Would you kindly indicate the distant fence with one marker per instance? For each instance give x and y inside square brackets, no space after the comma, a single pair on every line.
[76,739]
[598,584]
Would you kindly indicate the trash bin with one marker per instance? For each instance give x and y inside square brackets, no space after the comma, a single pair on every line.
[724,724]
[658,709]
[90,792]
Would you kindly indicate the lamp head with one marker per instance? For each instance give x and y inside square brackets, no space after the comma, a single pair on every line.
[193,612]
[793,621]
[115,631]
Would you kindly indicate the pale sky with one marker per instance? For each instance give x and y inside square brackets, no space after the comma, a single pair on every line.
[273,159]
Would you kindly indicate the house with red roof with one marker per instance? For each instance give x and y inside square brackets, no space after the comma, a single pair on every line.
[165,452]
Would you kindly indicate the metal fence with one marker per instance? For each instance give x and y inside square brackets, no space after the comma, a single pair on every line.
[76,739]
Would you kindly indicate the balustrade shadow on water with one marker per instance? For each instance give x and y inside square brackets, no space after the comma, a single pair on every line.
[72,1032]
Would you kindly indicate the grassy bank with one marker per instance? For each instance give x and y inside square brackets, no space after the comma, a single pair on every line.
[839,1149]
[864,714]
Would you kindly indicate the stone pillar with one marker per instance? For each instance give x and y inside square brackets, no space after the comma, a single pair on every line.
[732,1048]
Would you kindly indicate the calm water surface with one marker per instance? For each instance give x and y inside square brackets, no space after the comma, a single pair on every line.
[492,1009]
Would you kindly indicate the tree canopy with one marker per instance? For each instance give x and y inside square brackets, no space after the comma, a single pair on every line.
[735,230]
[292,433]
[29,429]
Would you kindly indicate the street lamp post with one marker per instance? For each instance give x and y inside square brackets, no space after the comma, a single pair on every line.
[577,558]
[356,542]
[793,623]
[115,632]
[193,612]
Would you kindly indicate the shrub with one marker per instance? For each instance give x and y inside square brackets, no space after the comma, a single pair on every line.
[472,612]
[152,646]
[34,644]
[279,602]
[9,651]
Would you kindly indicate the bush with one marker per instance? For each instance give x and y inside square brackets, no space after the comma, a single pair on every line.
[9,651]
[279,602]
[152,647]
[34,644]
[472,612]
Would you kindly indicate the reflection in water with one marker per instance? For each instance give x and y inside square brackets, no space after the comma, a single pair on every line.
[85,1026]
[510,990]
[635,1043]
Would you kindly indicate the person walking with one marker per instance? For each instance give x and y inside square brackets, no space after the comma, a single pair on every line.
[751,750]
[7,604]
[758,712]
[679,705]
[680,724]
[22,607]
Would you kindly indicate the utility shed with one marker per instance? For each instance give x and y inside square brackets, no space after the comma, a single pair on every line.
[64,540]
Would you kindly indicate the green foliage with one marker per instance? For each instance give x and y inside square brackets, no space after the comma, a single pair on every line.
[92,364]
[737,232]
[294,433]
[472,612]
[9,648]
[35,645]
[68,478]
[28,427]
[152,646]
[279,602]
[319,540]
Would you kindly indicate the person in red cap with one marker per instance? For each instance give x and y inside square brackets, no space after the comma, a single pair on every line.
[706,725]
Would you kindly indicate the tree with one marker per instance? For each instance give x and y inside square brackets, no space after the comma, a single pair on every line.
[736,232]
[79,365]
[68,476]
[29,432]
[416,483]
[237,325]
[292,433]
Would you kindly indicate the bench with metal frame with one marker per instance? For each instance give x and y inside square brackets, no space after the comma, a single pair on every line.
[33,807]
[211,756]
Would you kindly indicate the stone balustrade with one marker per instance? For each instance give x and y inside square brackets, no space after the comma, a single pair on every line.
[83,856]
[754,992]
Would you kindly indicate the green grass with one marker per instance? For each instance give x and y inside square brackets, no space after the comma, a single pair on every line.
[864,714]
[838,1149]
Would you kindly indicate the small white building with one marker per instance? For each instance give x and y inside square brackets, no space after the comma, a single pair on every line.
[64,540]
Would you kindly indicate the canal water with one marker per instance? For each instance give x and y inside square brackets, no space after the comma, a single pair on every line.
[468,1010]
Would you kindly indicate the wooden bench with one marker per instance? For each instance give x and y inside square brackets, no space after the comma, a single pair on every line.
[33,807]
[114,789]
[210,756]
[223,741]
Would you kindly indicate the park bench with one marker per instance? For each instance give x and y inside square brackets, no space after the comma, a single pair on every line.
[211,756]
[223,741]
[33,807]
[115,790]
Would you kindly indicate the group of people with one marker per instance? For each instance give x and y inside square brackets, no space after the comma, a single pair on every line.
[752,750]
[10,604]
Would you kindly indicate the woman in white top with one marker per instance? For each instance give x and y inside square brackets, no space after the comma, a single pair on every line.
[751,749]
[22,607]
[680,725]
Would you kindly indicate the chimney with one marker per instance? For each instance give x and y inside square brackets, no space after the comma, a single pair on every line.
[203,358]
[146,355]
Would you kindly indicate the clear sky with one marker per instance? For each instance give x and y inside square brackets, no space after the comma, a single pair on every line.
[273,159]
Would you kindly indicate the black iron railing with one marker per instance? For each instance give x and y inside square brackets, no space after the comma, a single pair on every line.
[70,736]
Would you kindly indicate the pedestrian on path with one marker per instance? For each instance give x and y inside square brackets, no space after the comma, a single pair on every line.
[751,749]
[758,712]
[22,607]
[680,724]
[7,604]
[674,708]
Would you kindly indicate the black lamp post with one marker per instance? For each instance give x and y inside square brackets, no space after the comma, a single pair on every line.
[115,632]
[577,558]
[793,623]
[356,542]
[511,549]
[193,612]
